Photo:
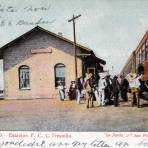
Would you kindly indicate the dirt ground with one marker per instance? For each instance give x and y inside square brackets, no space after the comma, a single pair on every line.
[56,115]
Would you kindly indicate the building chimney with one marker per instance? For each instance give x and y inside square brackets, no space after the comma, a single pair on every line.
[60,33]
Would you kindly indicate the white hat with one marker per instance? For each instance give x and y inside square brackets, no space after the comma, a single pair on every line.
[131,76]
[103,74]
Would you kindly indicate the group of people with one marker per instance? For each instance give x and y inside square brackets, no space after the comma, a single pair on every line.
[109,89]
[104,90]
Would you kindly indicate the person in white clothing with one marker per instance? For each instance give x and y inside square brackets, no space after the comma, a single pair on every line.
[97,94]
[102,91]
[79,89]
[61,89]
[134,83]
[102,85]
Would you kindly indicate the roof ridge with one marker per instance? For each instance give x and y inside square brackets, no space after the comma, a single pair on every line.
[51,33]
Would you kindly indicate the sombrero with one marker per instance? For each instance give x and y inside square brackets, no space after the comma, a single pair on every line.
[115,76]
[131,76]
[103,75]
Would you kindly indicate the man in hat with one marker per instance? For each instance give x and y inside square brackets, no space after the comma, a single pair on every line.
[79,89]
[124,85]
[134,85]
[108,88]
[89,92]
[101,86]
[115,91]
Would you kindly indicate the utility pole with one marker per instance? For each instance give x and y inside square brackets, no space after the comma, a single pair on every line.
[74,36]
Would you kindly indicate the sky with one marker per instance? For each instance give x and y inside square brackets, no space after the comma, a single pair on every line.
[112,28]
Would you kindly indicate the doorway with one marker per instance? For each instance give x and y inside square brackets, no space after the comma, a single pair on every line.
[91,70]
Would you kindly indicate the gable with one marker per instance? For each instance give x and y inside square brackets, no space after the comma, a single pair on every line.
[56,39]
[39,29]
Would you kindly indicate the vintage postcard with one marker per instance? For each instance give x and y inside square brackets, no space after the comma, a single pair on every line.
[73,69]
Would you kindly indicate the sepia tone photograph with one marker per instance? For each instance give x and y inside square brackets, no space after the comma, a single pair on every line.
[74,65]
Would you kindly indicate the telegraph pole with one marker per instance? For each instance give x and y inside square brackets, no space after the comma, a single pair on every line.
[74,36]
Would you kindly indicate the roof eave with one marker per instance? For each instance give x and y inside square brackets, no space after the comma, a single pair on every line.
[51,33]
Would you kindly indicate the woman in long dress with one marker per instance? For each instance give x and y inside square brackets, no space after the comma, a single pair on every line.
[72,91]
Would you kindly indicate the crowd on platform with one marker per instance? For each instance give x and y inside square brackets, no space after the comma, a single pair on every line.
[106,90]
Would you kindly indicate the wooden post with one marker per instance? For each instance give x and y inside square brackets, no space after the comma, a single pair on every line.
[74,36]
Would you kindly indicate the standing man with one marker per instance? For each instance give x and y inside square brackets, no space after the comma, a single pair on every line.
[79,89]
[96,94]
[135,89]
[89,92]
[101,86]
[124,86]
[115,86]
[108,89]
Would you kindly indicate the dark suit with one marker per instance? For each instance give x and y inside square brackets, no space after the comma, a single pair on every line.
[115,90]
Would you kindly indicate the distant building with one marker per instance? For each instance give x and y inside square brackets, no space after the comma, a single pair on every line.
[35,62]
[138,58]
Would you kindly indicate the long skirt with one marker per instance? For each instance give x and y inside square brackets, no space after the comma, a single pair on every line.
[72,94]
[62,95]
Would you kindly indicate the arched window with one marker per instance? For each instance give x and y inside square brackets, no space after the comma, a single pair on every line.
[24,78]
[59,70]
